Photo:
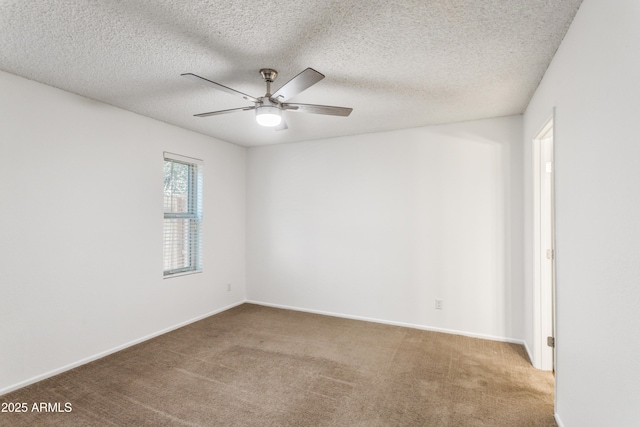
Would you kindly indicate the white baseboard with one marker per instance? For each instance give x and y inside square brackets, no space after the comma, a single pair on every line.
[526,347]
[558,420]
[110,351]
[393,323]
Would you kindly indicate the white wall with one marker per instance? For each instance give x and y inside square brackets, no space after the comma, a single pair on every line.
[377,226]
[594,84]
[81,229]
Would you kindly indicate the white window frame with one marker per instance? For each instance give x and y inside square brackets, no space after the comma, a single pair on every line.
[194,214]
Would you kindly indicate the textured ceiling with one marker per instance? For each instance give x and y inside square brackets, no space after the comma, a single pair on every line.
[397,63]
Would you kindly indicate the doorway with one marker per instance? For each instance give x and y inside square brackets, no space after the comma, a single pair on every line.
[544,248]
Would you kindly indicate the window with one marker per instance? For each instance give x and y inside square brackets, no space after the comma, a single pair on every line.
[182,214]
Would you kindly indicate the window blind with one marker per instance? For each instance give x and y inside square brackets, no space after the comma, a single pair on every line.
[182,233]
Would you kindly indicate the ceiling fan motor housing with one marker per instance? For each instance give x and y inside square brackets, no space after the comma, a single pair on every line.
[268,74]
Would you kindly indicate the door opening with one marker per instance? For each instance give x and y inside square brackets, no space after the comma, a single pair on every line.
[544,249]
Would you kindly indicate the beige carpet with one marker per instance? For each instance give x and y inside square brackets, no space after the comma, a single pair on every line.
[259,366]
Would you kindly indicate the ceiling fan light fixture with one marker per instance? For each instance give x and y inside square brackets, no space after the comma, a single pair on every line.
[268,116]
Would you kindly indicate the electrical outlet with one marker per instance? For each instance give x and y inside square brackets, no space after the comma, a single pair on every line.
[438,304]
[228,287]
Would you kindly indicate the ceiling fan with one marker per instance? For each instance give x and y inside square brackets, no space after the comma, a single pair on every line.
[270,106]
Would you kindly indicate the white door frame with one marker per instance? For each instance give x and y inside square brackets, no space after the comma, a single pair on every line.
[543,240]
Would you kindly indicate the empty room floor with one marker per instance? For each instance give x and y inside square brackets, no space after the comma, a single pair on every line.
[259,366]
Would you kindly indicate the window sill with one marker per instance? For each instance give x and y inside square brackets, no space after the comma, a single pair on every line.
[184,273]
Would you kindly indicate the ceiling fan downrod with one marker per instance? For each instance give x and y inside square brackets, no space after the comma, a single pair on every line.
[269,75]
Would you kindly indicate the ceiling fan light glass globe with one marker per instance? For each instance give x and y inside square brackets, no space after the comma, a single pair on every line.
[268,116]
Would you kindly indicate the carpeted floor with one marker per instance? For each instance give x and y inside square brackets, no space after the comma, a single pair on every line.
[260,366]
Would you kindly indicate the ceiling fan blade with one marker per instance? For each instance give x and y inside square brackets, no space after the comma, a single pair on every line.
[318,109]
[302,81]
[218,86]
[215,113]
